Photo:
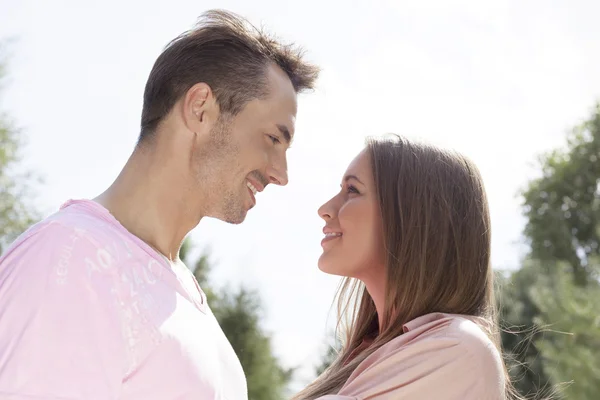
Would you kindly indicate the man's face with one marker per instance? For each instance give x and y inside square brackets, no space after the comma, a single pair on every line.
[248,151]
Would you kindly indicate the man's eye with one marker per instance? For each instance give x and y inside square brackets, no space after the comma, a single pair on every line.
[274,139]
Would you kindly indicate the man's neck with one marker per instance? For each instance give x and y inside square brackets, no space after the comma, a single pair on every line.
[148,200]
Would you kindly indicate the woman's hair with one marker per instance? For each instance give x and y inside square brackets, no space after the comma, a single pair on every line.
[437,235]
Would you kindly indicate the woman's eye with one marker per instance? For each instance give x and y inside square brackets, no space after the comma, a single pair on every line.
[352,189]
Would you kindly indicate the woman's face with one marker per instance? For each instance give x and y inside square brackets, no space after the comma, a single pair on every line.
[353,244]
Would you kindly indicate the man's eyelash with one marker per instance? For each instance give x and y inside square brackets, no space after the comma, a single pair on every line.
[275,139]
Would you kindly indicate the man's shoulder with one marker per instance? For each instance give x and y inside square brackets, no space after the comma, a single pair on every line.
[59,256]
[57,229]
[66,231]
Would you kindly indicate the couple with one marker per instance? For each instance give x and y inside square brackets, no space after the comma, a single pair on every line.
[96,304]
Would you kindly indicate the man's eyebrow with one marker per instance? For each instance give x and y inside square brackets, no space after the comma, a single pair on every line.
[286,133]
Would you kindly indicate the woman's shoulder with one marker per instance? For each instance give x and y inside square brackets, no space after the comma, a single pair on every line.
[462,337]
[466,332]
[437,356]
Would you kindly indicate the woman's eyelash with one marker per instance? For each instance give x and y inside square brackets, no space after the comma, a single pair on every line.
[352,189]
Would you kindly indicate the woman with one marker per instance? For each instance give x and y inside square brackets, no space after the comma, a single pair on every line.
[410,231]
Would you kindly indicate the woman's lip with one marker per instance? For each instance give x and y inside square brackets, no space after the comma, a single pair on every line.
[327,239]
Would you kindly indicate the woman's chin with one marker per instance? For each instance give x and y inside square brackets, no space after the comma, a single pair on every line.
[326,265]
[323,264]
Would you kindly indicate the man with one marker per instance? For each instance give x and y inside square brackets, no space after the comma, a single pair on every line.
[94,301]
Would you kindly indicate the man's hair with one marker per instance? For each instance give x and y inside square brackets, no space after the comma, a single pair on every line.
[231,56]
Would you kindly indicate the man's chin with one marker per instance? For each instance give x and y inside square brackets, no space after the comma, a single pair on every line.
[234,219]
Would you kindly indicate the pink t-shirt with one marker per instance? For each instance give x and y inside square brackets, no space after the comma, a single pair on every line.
[89,311]
[439,356]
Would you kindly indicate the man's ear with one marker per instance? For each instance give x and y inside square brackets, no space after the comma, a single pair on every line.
[200,108]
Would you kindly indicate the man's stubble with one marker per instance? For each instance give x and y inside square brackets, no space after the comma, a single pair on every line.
[216,166]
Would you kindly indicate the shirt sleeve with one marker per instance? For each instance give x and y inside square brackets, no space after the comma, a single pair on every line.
[61,330]
[434,368]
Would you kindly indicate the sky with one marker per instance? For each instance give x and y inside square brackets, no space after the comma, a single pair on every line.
[500,81]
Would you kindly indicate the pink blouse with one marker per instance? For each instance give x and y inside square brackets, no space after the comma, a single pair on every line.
[439,356]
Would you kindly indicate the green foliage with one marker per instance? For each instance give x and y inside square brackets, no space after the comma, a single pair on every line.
[556,287]
[570,347]
[518,334]
[16,210]
[239,314]
[563,205]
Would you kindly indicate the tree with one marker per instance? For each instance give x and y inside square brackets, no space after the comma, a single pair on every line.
[239,314]
[16,212]
[570,347]
[562,207]
[518,331]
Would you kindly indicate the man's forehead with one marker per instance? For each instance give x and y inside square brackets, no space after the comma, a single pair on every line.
[282,102]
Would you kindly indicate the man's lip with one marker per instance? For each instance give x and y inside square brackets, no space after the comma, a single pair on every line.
[252,196]
[259,188]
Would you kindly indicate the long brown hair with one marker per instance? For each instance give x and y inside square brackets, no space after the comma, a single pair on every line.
[437,237]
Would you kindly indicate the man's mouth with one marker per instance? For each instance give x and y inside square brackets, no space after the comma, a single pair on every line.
[251,187]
